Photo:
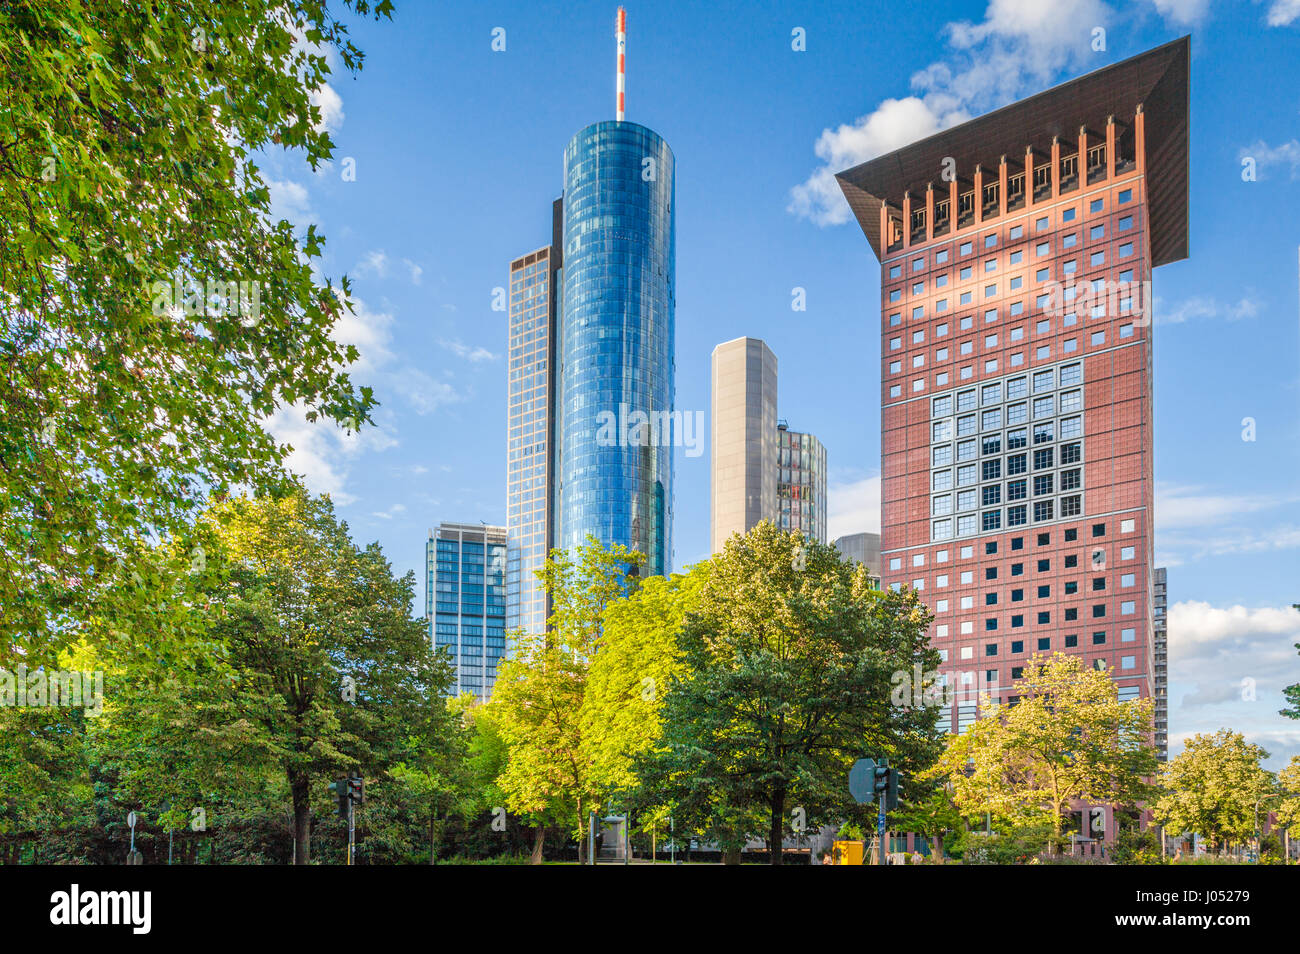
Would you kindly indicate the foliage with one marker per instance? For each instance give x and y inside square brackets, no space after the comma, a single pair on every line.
[538,697]
[127,170]
[310,667]
[637,667]
[1136,847]
[1066,738]
[1016,847]
[1214,788]
[1288,805]
[787,681]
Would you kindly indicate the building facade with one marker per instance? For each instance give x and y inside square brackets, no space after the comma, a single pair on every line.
[743,468]
[592,345]
[861,548]
[530,429]
[800,482]
[1016,253]
[465,602]
[1160,606]
[617,341]
[759,468]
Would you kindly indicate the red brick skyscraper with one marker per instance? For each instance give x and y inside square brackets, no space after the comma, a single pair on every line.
[1016,253]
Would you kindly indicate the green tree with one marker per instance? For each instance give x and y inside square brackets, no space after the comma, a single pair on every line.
[1067,738]
[537,699]
[128,147]
[629,678]
[932,816]
[1288,806]
[320,635]
[789,659]
[1214,787]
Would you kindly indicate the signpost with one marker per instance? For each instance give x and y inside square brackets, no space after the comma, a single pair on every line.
[872,780]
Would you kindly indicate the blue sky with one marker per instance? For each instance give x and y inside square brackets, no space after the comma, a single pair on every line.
[457,151]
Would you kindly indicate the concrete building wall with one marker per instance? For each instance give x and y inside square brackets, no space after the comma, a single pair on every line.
[743,472]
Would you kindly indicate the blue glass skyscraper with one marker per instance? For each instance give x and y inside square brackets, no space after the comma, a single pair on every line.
[616,342]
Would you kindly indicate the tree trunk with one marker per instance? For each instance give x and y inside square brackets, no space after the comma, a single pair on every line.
[300,787]
[539,836]
[731,856]
[777,829]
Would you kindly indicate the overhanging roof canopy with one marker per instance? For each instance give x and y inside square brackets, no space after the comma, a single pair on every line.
[1156,80]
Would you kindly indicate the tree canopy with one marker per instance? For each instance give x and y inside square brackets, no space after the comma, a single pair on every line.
[153,312]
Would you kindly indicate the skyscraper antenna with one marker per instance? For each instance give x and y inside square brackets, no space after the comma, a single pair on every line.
[621,34]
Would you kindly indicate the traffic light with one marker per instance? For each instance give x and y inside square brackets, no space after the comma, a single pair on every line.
[886,786]
[340,788]
[357,790]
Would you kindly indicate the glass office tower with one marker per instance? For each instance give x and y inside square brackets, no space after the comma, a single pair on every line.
[530,434]
[465,568]
[616,341]
[801,483]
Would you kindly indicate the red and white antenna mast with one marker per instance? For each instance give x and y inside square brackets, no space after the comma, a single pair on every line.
[621,35]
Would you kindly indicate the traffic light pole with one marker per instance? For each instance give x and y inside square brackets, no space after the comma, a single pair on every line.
[880,830]
[352,830]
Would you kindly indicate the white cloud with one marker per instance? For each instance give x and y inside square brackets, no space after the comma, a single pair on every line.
[1232,541]
[327,99]
[471,354]
[1186,506]
[853,507]
[1228,667]
[1270,157]
[322,451]
[289,200]
[893,124]
[415,270]
[1183,11]
[375,263]
[1198,307]
[1020,45]
[423,393]
[1283,12]
[1195,626]
[370,332]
